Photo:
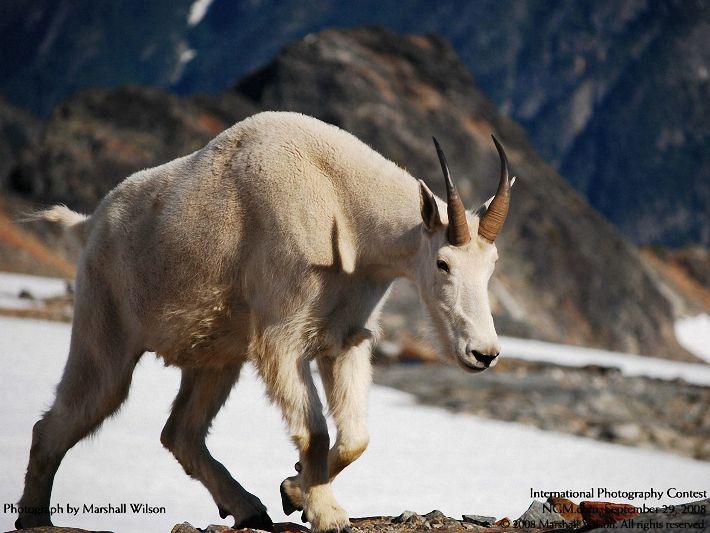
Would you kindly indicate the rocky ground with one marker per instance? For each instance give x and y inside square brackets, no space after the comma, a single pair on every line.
[557,514]
[593,402]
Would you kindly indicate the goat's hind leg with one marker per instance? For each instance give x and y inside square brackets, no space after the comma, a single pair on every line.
[202,394]
[95,382]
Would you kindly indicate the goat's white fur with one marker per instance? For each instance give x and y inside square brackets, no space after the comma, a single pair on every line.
[276,243]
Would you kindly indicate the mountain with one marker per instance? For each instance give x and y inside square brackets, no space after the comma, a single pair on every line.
[565,274]
[643,158]
[606,89]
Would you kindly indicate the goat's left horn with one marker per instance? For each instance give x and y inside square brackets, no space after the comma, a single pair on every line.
[492,221]
[458,232]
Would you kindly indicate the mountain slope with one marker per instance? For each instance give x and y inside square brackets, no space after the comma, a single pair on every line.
[643,158]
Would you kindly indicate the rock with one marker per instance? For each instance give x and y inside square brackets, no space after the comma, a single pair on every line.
[216,528]
[538,516]
[628,432]
[435,515]
[567,508]
[598,514]
[185,527]
[503,522]
[289,527]
[479,520]
[407,517]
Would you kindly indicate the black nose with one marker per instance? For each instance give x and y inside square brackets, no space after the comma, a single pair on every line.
[484,358]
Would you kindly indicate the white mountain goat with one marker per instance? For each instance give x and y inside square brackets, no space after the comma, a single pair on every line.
[276,244]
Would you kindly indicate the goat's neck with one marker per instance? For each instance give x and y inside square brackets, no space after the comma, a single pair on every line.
[392,238]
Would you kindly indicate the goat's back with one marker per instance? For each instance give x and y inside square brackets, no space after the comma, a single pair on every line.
[190,249]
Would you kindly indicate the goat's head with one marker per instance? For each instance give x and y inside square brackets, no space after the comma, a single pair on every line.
[455,264]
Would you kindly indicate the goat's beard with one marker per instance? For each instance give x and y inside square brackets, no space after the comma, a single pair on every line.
[440,335]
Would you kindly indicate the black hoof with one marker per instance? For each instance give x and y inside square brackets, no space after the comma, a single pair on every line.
[222,513]
[44,523]
[286,502]
[260,521]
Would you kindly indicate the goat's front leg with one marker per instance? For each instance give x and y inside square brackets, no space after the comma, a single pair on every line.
[290,385]
[346,379]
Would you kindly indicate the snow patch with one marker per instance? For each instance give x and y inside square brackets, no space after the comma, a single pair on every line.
[628,364]
[693,334]
[197,11]
[35,287]
[187,55]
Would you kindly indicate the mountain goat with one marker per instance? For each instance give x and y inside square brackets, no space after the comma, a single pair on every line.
[276,244]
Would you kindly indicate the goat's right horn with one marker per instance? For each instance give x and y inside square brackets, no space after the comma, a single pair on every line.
[458,232]
[494,217]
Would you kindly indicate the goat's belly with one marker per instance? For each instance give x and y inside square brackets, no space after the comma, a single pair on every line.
[203,336]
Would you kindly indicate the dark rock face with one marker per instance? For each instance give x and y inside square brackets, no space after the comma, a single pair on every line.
[565,273]
[17,130]
[642,159]
[97,138]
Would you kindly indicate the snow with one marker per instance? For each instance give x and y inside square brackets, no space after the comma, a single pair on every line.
[629,364]
[186,56]
[420,458]
[693,333]
[197,11]
[11,285]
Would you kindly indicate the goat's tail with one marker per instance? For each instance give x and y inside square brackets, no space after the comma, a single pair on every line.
[72,222]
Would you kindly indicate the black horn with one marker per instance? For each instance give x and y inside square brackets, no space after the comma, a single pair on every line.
[458,232]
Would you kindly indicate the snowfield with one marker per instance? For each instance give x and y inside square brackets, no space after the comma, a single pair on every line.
[629,364]
[11,285]
[420,458]
[693,333]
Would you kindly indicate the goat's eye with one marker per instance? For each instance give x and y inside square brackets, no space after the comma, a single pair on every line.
[443,265]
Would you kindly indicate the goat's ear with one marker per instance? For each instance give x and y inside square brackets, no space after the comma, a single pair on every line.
[429,209]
